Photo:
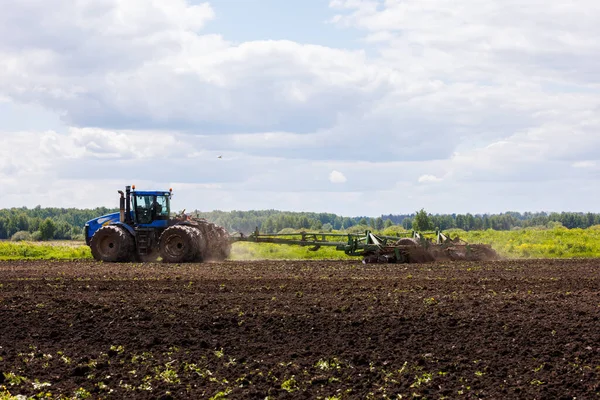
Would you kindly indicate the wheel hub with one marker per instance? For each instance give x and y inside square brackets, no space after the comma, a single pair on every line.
[175,245]
[107,246]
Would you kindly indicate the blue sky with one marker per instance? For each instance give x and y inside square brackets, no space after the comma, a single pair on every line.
[304,21]
[28,117]
[353,107]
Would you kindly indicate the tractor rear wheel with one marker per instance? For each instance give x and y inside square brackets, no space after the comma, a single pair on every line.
[215,241]
[112,244]
[225,250]
[178,244]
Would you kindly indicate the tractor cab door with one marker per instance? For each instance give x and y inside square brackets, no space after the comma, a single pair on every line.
[151,210]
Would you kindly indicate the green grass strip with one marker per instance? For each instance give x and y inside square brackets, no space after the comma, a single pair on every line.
[43,251]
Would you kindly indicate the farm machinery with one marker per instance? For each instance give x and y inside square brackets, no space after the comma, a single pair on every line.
[144,230]
[414,247]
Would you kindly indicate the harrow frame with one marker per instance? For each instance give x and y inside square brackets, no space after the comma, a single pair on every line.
[370,246]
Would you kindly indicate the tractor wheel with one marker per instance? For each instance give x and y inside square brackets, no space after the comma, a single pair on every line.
[112,244]
[215,240]
[178,244]
[200,241]
[225,243]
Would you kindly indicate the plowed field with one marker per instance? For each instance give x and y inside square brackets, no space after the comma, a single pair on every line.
[319,329]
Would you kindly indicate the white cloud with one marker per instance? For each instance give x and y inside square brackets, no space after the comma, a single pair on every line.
[584,164]
[429,179]
[142,65]
[337,177]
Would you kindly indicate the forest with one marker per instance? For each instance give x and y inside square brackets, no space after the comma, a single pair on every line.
[46,223]
[67,223]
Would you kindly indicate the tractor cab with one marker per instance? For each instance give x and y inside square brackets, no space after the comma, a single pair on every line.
[151,208]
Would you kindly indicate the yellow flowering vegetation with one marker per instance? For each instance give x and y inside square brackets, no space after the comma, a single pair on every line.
[557,242]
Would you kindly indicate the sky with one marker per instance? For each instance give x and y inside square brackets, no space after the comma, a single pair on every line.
[356,107]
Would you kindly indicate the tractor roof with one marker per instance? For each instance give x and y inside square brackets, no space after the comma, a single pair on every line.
[150,192]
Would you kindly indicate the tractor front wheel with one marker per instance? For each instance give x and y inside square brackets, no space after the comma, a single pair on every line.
[111,244]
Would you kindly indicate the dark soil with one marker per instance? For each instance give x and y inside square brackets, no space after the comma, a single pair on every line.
[497,330]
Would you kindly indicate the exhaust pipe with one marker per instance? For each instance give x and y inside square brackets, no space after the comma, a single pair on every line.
[122,207]
[128,204]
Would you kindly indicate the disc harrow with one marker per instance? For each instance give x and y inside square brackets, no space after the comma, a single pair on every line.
[418,248]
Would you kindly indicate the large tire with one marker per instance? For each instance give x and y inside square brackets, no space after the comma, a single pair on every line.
[200,241]
[225,250]
[178,244]
[215,240]
[112,244]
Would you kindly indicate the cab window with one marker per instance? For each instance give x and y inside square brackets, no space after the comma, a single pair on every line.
[162,207]
[150,208]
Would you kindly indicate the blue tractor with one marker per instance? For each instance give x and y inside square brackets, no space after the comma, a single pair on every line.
[144,230]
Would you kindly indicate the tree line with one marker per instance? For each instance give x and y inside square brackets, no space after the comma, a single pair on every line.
[46,223]
[503,221]
[67,223]
[271,221]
